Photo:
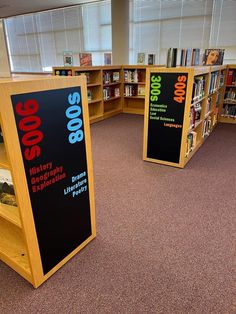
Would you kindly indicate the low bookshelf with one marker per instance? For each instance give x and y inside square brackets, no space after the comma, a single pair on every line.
[181,110]
[45,175]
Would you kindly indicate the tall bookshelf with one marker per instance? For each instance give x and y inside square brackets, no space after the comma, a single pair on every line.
[38,236]
[181,110]
[228,103]
[134,79]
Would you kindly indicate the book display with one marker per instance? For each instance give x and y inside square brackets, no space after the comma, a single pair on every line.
[228,105]
[181,109]
[46,180]
[134,89]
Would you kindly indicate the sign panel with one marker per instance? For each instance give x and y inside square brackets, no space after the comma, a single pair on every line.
[50,127]
[165,117]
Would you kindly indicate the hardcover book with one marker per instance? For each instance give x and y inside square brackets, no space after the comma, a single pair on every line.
[151,59]
[68,58]
[85,59]
[107,58]
[141,58]
[213,57]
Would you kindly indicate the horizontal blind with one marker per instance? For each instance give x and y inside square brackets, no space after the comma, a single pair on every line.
[97,30]
[156,25]
[36,42]
[223,31]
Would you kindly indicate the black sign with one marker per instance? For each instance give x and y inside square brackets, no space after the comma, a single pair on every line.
[51,133]
[165,117]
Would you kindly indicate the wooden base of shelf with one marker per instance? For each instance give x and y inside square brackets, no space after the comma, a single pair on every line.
[112,113]
[227,120]
[95,118]
[13,250]
[133,110]
[191,154]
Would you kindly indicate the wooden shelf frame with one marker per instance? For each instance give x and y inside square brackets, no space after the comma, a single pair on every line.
[211,115]
[223,118]
[19,246]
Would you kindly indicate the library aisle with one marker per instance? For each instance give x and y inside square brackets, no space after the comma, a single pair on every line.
[165,236]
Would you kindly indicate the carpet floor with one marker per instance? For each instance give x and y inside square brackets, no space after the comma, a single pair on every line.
[166,237]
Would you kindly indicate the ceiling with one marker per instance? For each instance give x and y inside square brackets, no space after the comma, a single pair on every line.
[17,7]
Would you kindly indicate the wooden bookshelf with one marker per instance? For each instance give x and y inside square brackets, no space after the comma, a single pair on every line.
[178,123]
[104,85]
[26,244]
[227,108]
[134,78]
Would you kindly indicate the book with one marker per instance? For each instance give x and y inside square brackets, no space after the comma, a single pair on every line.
[188,61]
[229,79]
[116,77]
[141,58]
[7,193]
[213,57]
[151,59]
[85,59]
[171,59]
[107,58]
[141,90]
[68,58]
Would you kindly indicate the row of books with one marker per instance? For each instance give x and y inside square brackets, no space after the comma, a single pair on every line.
[111,77]
[191,142]
[198,88]
[230,95]
[109,92]
[214,82]
[231,77]
[207,126]
[190,57]
[133,76]
[221,79]
[195,115]
[87,74]
[208,104]
[229,111]
[134,90]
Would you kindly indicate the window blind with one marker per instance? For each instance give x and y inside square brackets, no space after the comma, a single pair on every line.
[156,25]
[36,42]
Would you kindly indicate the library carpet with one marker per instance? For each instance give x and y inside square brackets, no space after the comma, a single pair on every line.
[165,236]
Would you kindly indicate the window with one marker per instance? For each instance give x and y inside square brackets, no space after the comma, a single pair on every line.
[224,29]
[36,42]
[156,25]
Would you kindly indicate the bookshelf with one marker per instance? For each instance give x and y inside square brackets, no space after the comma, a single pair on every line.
[104,89]
[94,91]
[228,103]
[42,171]
[112,90]
[134,79]
[181,110]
